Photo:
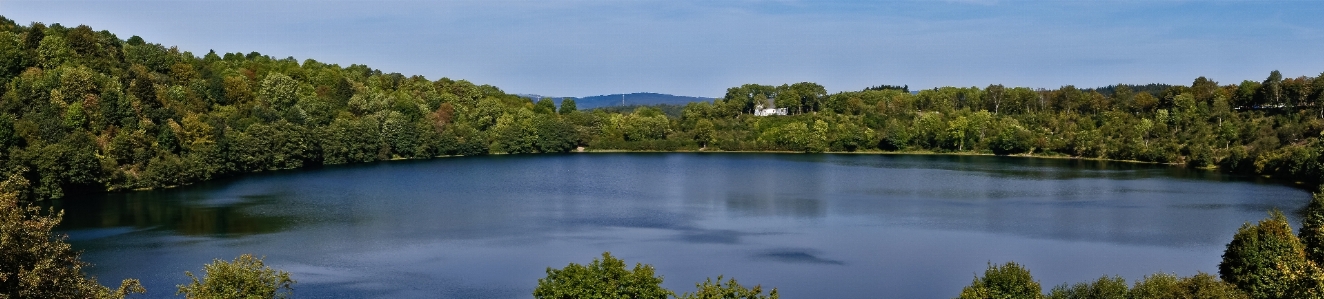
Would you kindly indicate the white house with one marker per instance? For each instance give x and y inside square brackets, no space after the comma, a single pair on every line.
[760,111]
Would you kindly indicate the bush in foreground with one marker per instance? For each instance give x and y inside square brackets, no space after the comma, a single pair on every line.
[1266,260]
[1010,280]
[36,263]
[608,278]
[245,277]
[605,278]
[710,289]
[1157,286]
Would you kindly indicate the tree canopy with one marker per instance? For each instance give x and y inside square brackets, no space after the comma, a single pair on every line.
[37,263]
[85,111]
[603,278]
[245,277]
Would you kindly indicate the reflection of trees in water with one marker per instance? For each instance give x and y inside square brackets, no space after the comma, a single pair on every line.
[187,217]
[1048,198]
[1036,168]
[225,221]
[777,189]
[771,205]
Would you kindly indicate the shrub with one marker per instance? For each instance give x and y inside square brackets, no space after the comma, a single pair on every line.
[1200,286]
[36,263]
[1312,229]
[245,277]
[1010,280]
[730,290]
[605,278]
[1262,259]
[1104,288]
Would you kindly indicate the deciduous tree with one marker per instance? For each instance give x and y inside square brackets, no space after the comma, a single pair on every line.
[1009,280]
[1261,258]
[245,277]
[603,278]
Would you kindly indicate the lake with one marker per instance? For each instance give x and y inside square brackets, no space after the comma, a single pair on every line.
[814,226]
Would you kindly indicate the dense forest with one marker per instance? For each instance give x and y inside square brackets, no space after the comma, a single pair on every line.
[85,111]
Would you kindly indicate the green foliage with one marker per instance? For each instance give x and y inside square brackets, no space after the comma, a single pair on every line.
[642,125]
[710,289]
[11,55]
[1104,288]
[1015,282]
[245,277]
[53,52]
[280,91]
[1007,281]
[608,278]
[794,136]
[1265,260]
[36,263]
[544,106]
[1010,138]
[568,106]
[704,132]
[847,136]
[604,278]
[1312,228]
[1200,286]
[798,136]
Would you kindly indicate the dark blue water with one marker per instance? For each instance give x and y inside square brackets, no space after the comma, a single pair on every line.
[814,226]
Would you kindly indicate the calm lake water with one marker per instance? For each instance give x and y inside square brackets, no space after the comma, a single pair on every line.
[814,226]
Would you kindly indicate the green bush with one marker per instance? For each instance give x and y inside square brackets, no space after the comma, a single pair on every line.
[1312,229]
[1010,280]
[1104,288]
[1200,286]
[36,263]
[710,289]
[1265,259]
[605,278]
[245,277]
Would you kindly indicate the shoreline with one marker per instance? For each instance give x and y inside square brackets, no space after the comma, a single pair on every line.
[877,152]
[865,152]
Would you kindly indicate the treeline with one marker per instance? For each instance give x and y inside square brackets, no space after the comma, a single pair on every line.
[1270,127]
[84,111]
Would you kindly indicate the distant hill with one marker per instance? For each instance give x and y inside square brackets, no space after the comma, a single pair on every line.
[1155,89]
[633,99]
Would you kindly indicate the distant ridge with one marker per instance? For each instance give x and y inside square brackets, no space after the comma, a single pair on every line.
[638,98]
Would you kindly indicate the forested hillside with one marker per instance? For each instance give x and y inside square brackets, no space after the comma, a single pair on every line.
[86,111]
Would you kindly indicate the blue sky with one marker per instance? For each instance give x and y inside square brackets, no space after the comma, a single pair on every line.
[699,48]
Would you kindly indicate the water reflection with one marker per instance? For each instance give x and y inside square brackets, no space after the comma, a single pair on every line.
[752,205]
[715,236]
[1036,168]
[219,217]
[792,255]
[811,225]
